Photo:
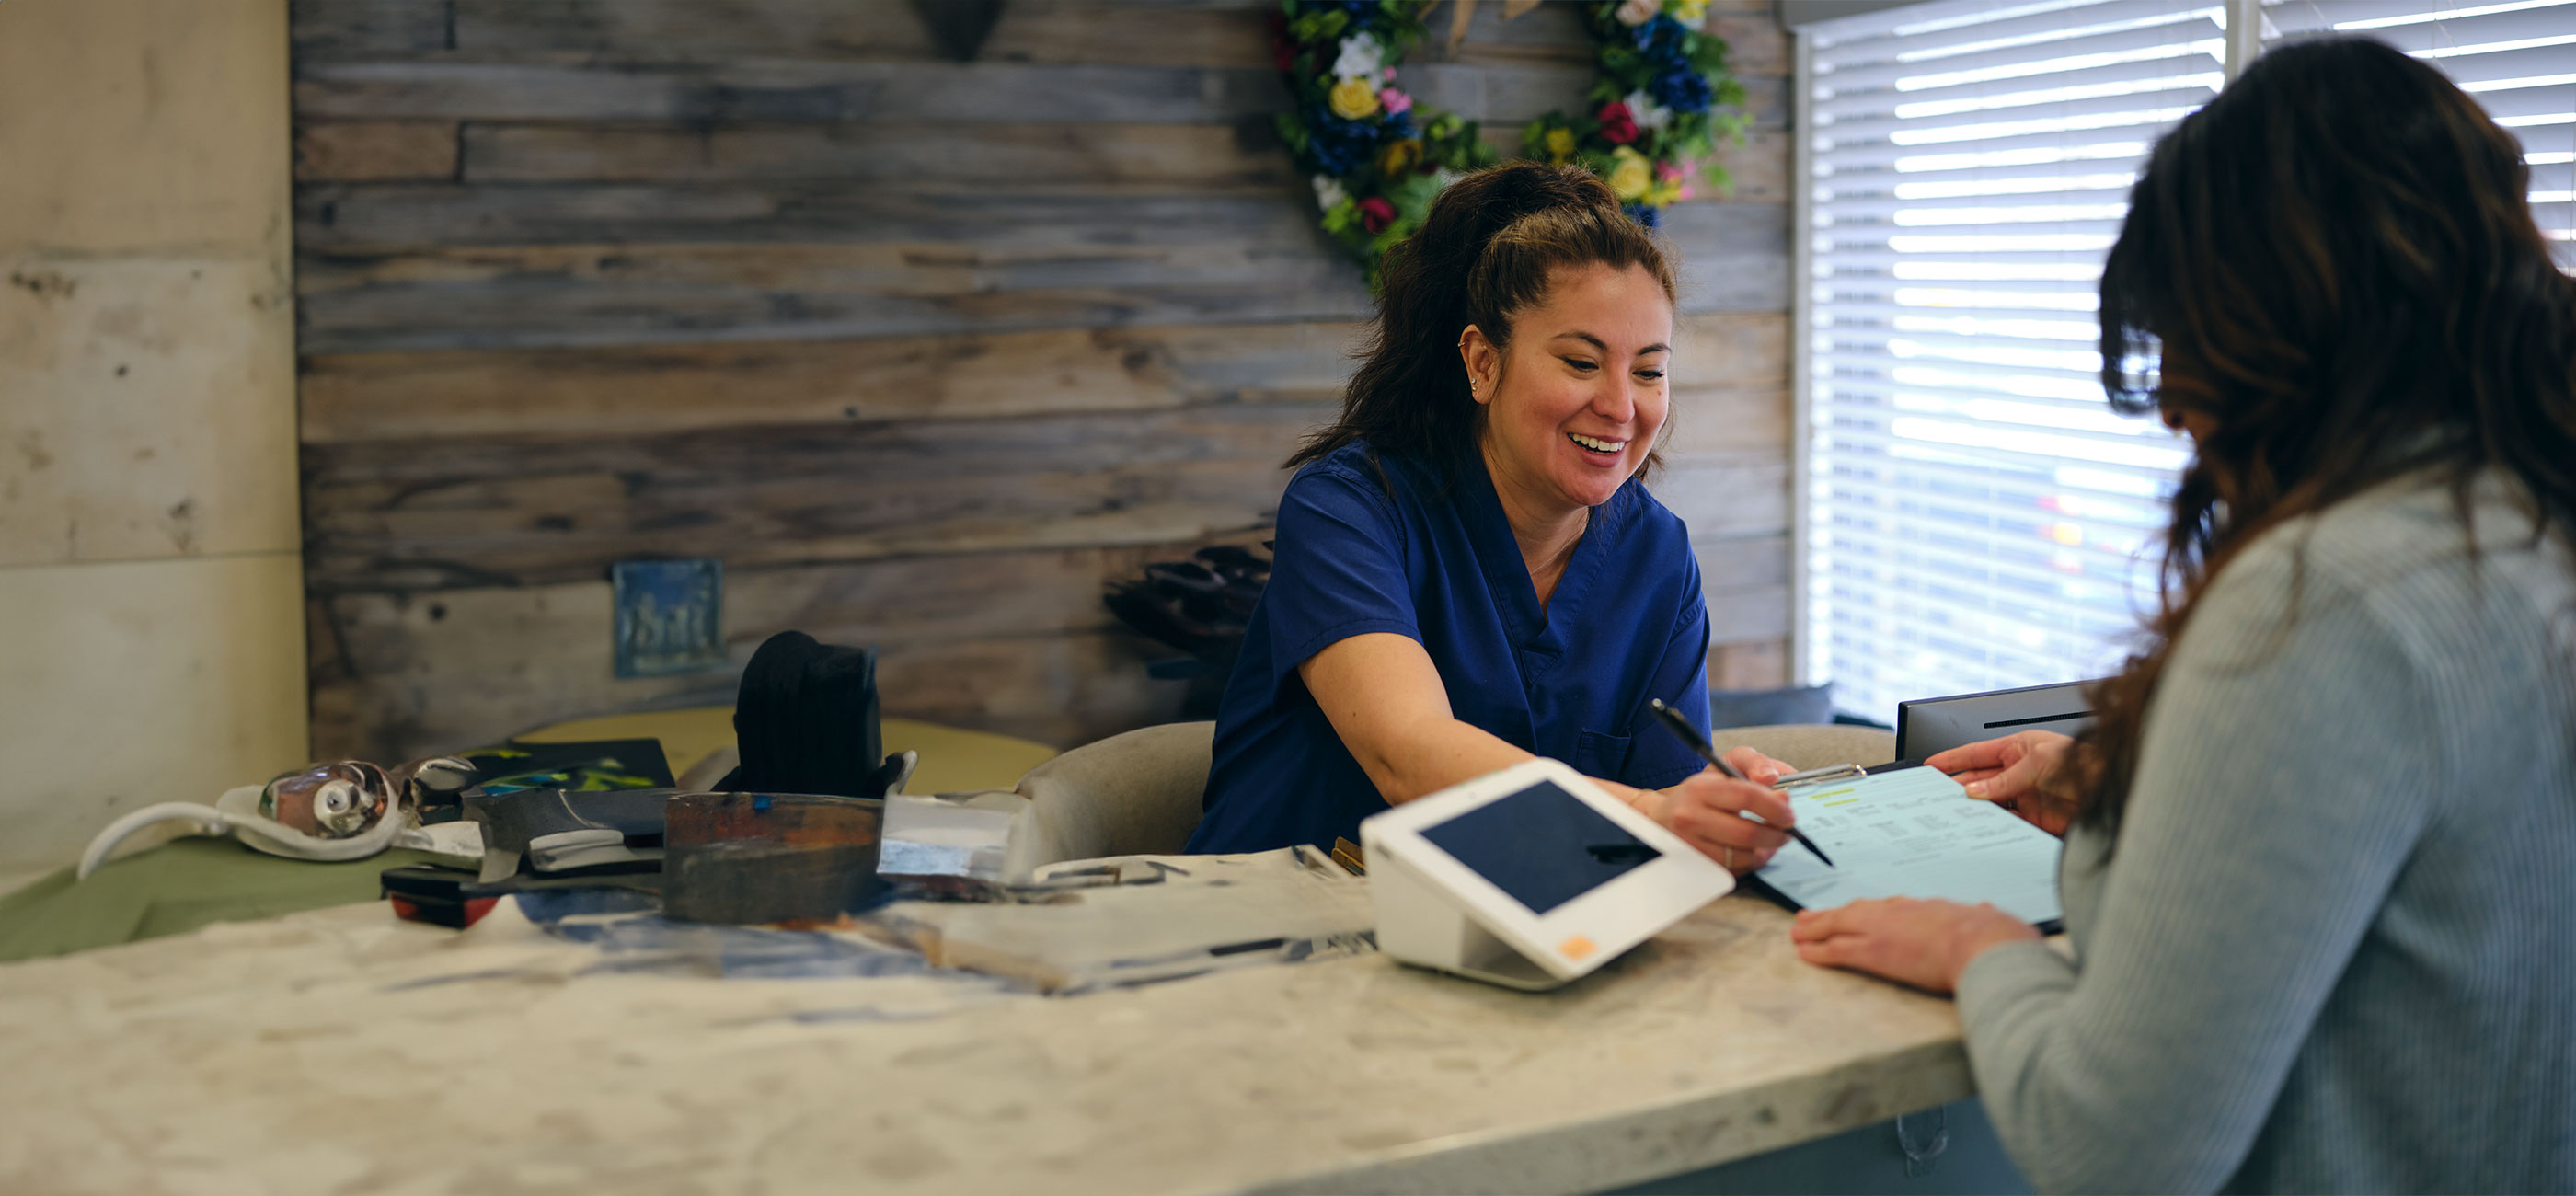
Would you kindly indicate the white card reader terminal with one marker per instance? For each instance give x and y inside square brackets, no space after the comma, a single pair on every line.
[1528,877]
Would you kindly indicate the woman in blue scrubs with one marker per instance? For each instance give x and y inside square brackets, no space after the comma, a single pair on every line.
[1469,571]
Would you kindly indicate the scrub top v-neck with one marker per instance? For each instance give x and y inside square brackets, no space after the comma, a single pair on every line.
[1408,553]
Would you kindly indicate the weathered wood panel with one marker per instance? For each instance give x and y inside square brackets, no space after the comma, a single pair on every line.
[560,87]
[548,296]
[337,219]
[404,151]
[1028,31]
[1735,256]
[1757,170]
[576,87]
[1151,32]
[676,388]
[1730,378]
[1723,495]
[1063,261]
[1190,158]
[1013,642]
[1744,349]
[1755,664]
[1736,564]
[398,515]
[350,28]
[1756,45]
[1727,420]
[1757,614]
[920,349]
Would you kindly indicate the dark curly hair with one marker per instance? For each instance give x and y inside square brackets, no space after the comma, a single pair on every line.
[2336,263]
[1485,252]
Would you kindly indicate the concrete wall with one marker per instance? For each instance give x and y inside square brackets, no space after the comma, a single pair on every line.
[151,629]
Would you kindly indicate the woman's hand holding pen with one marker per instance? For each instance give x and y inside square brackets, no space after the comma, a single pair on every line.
[2025,773]
[1708,811]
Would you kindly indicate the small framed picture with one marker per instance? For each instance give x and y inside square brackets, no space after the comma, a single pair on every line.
[670,616]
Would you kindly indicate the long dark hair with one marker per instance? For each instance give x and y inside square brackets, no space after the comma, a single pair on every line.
[1484,252]
[2336,264]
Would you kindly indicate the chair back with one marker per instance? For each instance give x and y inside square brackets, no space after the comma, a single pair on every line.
[1136,793]
[1812,745]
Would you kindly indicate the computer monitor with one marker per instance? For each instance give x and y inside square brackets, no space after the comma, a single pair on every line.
[1927,726]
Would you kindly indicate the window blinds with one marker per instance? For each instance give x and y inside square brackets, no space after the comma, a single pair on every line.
[2518,57]
[1974,516]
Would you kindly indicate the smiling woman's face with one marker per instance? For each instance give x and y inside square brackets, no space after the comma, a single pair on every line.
[1574,404]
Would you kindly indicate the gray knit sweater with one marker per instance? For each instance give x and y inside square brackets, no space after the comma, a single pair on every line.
[2335,949]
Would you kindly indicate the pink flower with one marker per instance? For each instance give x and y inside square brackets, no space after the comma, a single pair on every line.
[1395,101]
[1669,171]
[1390,74]
[1617,126]
[1376,213]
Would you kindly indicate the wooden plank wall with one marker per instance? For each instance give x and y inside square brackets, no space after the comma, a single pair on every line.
[924,351]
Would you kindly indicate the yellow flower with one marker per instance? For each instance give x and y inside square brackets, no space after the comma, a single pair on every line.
[1690,12]
[1631,176]
[1560,145]
[1354,98]
[1399,156]
[1663,194]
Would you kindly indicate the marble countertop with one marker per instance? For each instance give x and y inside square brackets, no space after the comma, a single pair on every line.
[343,1051]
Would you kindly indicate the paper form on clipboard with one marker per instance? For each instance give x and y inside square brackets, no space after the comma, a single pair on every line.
[1913,832]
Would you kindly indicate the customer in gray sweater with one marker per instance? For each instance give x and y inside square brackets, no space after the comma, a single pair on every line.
[2320,868]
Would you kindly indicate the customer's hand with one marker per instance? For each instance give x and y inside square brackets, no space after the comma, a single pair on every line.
[1922,943]
[2026,773]
[1707,811]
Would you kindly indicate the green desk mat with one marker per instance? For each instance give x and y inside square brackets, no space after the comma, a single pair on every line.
[199,881]
[178,887]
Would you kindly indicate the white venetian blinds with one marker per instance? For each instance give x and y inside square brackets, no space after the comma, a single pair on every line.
[1976,518]
[2518,57]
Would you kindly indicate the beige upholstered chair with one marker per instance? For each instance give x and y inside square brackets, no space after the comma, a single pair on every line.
[1812,745]
[1135,793]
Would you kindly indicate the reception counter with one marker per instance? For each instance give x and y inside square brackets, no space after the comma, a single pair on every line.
[341,1050]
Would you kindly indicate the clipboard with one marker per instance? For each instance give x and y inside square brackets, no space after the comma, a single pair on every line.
[1905,830]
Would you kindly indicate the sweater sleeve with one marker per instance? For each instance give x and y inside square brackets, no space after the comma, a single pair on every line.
[2282,784]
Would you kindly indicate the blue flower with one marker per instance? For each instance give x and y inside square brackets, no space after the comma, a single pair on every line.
[1359,11]
[1643,214]
[1683,89]
[1339,145]
[1662,41]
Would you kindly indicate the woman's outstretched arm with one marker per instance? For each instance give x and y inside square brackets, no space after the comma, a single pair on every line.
[1386,702]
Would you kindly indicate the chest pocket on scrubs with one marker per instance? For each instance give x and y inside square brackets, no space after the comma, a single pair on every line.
[1599,755]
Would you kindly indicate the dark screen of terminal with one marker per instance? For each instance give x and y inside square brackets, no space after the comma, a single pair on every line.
[1542,845]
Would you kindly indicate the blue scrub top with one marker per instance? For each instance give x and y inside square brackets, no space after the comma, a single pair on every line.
[1438,564]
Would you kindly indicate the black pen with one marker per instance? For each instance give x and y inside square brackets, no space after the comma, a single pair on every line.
[1673,721]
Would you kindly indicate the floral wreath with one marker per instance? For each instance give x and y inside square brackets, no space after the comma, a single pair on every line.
[1376,159]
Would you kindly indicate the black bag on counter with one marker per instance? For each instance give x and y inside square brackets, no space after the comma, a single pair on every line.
[806,721]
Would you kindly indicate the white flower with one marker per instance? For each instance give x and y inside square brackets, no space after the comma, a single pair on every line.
[1647,113]
[1638,12]
[1328,192]
[1361,56]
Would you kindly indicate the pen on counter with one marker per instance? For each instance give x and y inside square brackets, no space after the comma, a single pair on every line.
[1680,726]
